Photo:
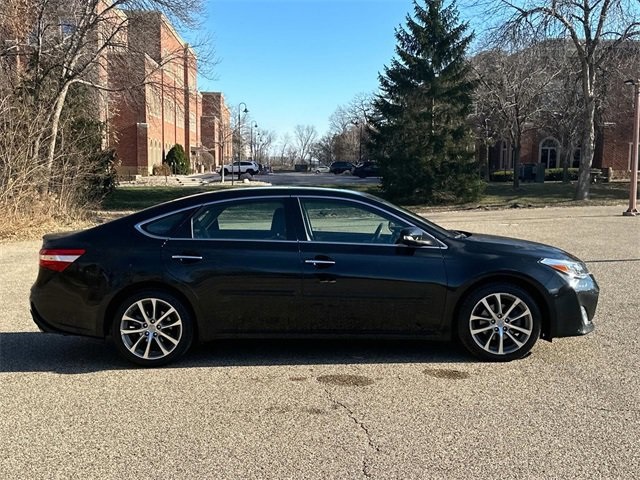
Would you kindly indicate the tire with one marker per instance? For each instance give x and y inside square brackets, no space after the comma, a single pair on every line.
[251,172]
[226,172]
[499,322]
[154,315]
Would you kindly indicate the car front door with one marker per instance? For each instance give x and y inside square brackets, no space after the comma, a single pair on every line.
[241,262]
[356,278]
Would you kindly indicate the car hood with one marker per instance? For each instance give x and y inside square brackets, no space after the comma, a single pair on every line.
[497,244]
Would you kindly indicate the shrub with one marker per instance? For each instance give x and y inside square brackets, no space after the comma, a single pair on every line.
[550,175]
[502,176]
[101,178]
[177,160]
[555,174]
[163,170]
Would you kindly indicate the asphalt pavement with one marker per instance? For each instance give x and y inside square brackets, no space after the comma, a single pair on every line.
[337,410]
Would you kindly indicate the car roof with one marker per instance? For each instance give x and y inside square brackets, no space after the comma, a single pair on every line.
[249,192]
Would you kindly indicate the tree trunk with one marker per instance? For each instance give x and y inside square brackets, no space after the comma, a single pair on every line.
[567,155]
[516,165]
[588,136]
[55,124]
[487,165]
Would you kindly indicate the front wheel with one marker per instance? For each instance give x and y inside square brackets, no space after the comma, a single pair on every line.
[499,322]
[152,328]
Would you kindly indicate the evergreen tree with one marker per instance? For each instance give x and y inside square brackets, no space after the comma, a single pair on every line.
[419,134]
[177,160]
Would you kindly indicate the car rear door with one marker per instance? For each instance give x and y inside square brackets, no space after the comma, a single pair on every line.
[355,278]
[241,262]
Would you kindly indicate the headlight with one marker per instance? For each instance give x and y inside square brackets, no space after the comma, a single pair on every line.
[567,267]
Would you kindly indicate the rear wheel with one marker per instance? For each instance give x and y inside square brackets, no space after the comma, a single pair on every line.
[152,328]
[499,322]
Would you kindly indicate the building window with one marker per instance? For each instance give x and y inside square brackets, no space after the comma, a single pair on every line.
[549,153]
[577,155]
[506,155]
[629,156]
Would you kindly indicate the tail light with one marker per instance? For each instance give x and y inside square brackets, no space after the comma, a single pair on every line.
[58,259]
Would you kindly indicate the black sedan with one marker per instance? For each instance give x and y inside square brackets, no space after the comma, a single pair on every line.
[338,168]
[266,262]
[366,169]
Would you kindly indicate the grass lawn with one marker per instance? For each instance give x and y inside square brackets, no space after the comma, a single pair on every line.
[137,198]
[496,195]
[550,194]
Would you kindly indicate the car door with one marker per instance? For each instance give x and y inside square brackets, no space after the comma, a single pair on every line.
[241,262]
[356,278]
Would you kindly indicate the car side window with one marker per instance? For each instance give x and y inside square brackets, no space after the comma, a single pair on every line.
[261,219]
[168,225]
[343,221]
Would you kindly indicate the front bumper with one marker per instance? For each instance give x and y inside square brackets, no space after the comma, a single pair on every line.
[575,307]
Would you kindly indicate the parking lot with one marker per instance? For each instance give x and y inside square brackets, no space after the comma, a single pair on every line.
[328,409]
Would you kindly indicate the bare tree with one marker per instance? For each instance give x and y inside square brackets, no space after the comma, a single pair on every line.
[72,42]
[595,28]
[511,86]
[56,64]
[349,129]
[305,137]
[283,150]
[263,146]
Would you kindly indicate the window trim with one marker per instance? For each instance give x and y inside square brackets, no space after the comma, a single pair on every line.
[440,245]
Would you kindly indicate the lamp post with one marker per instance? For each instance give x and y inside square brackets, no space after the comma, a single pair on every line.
[240,111]
[632,211]
[253,125]
[358,123]
[258,150]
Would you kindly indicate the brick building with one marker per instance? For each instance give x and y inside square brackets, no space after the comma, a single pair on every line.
[216,133]
[161,106]
[614,131]
[614,140]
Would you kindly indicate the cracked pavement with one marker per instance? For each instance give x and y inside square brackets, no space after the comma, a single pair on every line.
[328,409]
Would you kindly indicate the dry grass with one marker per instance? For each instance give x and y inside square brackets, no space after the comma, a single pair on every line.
[33,226]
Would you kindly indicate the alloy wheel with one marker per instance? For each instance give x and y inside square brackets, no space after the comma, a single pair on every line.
[151,328]
[501,323]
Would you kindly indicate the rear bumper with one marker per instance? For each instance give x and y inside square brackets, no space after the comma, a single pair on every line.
[42,324]
[58,309]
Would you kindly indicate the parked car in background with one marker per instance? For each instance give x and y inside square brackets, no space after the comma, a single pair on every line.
[239,168]
[341,167]
[300,262]
[366,169]
[322,169]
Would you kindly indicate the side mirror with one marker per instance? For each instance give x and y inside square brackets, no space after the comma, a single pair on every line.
[414,237]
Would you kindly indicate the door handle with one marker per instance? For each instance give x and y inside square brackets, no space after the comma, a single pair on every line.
[187,258]
[320,263]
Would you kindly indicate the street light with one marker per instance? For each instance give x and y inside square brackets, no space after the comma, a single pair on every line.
[253,125]
[245,111]
[358,123]
[632,211]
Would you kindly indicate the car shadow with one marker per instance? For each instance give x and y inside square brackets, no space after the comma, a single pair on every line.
[38,352]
